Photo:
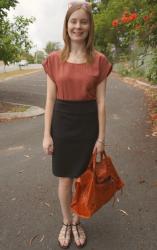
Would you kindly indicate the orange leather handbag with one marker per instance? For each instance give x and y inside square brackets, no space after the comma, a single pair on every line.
[96,186]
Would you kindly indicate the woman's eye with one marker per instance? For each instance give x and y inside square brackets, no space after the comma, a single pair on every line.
[83,22]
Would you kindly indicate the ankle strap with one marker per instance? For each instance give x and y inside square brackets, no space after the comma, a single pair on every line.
[78,223]
[67,225]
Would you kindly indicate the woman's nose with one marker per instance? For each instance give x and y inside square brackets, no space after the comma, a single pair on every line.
[78,24]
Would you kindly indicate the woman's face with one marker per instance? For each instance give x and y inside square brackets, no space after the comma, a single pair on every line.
[78,25]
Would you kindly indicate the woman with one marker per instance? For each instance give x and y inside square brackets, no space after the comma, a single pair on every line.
[74,110]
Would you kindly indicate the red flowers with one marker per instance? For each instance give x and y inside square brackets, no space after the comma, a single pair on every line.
[130,18]
[137,26]
[126,18]
[146,18]
[133,16]
[115,23]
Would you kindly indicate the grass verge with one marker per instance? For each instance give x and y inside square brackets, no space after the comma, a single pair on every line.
[21,72]
[9,107]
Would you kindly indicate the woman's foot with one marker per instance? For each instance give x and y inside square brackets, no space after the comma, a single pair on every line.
[79,235]
[64,237]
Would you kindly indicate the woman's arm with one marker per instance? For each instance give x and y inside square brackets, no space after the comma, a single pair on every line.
[100,98]
[50,99]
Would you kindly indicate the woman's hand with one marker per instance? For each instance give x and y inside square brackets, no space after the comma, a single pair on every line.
[99,147]
[48,145]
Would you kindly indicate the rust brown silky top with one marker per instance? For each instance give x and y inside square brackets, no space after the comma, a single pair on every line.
[76,81]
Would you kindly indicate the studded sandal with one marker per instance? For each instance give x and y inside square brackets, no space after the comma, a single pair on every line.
[65,235]
[79,234]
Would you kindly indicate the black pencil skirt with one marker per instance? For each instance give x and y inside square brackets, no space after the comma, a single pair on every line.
[74,130]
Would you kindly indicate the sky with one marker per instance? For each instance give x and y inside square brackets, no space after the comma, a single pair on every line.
[49,16]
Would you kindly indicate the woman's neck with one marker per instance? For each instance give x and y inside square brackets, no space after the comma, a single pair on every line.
[78,49]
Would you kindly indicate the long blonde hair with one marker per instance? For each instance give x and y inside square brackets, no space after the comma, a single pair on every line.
[89,42]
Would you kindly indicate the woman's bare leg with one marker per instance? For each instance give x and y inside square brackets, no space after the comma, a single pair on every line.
[78,231]
[65,197]
[65,189]
[75,217]
[80,237]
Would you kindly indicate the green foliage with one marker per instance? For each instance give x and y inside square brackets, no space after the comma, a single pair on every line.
[126,70]
[6,5]
[152,72]
[14,39]
[39,56]
[27,56]
[120,68]
[51,46]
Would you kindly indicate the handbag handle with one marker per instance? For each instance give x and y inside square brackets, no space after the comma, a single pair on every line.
[103,153]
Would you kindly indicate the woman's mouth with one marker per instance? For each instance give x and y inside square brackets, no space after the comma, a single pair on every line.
[78,33]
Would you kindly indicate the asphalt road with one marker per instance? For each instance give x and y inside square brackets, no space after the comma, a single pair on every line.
[30,216]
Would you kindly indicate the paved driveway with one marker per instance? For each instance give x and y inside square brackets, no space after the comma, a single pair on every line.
[29,207]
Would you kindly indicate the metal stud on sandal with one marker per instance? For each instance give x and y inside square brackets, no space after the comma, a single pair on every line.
[65,234]
[78,233]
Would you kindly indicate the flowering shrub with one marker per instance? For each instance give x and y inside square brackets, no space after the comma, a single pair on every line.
[140,28]
[131,20]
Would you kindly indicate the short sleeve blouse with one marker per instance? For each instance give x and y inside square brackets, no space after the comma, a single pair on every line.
[76,81]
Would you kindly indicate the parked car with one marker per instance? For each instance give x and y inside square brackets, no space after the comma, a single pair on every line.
[23,63]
